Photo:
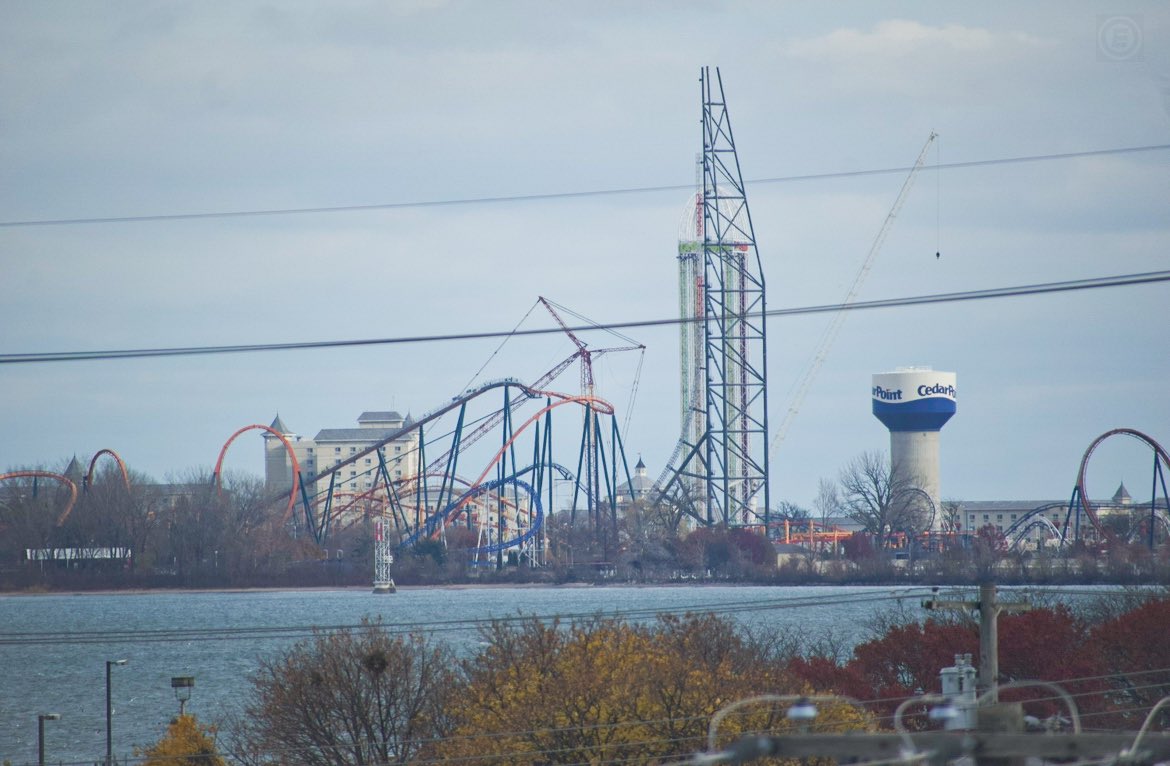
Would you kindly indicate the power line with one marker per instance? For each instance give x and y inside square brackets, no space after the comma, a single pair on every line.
[105,636]
[543,196]
[215,633]
[1120,280]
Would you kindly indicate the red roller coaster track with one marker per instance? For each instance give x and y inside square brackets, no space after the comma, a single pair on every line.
[93,462]
[1086,506]
[296,468]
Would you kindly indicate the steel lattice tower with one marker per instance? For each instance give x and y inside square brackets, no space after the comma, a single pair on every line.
[735,356]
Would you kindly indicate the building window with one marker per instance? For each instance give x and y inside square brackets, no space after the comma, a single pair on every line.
[397,448]
[367,461]
[337,450]
[352,450]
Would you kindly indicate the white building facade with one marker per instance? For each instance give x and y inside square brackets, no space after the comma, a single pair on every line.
[333,446]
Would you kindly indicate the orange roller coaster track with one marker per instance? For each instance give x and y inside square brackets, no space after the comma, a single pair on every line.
[93,462]
[69,483]
[296,468]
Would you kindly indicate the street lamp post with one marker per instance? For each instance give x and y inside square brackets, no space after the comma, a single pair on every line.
[41,718]
[183,686]
[110,713]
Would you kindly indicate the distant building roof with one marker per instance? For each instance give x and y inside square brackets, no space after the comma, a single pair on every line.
[378,416]
[640,484]
[353,434]
[279,426]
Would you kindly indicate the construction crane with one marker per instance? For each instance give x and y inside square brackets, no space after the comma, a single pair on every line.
[583,352]
[830,334]
[592,476]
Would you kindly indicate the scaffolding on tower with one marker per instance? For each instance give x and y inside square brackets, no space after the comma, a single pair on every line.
[719,471]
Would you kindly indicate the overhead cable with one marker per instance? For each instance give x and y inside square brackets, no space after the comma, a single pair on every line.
[218,633]
[539,196]
[1120,280]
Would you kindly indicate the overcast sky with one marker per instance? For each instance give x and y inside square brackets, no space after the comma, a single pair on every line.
[140,109]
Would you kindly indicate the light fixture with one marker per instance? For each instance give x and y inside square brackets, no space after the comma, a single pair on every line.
[803,710]
[945,711]
[184,686]
[942,711]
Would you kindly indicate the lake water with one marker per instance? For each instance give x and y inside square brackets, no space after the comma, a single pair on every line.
[54,648]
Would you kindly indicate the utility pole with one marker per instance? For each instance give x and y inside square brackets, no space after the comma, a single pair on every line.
[989,608]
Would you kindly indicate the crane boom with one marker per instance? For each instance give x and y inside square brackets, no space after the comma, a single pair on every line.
[582,350]
[834,327]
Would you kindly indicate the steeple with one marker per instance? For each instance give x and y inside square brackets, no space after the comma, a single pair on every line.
[1122,496]
[73,470]
[279,426]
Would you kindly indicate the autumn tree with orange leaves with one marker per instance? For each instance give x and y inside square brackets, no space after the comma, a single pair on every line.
[186,743]
[605,691]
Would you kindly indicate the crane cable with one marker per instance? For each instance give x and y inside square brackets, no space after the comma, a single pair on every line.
[834,327]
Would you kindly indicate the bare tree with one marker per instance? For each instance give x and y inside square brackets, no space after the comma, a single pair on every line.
[952,516]
[790,511]
[828,500]
[347,699]
[882,498]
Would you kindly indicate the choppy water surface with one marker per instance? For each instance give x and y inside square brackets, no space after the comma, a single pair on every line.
[39,675]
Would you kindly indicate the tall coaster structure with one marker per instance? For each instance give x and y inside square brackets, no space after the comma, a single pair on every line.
[722,456]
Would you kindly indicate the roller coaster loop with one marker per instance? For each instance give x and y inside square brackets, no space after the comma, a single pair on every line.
[296,468]
[1161,462]
[88,481]
[69,483]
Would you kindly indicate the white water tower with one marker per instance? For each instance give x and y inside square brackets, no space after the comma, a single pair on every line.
[915,403]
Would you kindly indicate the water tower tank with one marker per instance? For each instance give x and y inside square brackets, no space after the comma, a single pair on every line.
[915,403]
